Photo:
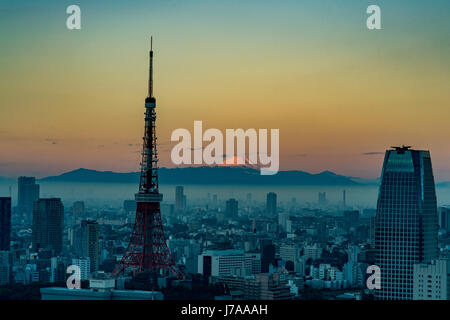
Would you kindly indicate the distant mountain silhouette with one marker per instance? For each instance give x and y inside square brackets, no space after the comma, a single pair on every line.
[207,175]
[87,175]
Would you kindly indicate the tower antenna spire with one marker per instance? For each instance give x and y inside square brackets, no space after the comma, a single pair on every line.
[150,76]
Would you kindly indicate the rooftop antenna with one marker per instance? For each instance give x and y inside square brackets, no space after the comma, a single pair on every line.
[402,149]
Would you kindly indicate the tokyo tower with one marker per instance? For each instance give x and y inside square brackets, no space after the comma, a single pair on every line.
[147,251]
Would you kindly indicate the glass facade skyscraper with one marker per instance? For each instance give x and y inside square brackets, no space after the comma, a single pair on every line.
[406,221]
[48,225]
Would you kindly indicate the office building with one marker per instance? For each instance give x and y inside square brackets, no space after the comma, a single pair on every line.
[5,268]
[28,193]
[87,245]
[261,286]
[283,218]
[406,221]
[228,262]
[48,224]
[85,267]
[271,204]
[185,252]
[58,269]
[268,251]
[432,280]
[313,252]
[5,224]
[289,252]
[354,273]
[179,199]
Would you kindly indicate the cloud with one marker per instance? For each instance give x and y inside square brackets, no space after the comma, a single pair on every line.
[52,141]
[373,153]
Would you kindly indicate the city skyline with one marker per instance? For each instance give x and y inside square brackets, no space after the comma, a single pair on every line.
[74,99]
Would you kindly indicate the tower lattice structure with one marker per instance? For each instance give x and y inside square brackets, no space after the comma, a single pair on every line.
[147,250]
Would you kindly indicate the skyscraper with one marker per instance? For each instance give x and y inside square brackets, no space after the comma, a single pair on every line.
[271,206]
[231,209]
[406,221]
[28,192]
[89,242]
[179,198]
[5,223]
[48,224]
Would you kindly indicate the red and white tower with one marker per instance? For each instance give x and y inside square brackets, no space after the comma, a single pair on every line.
[147,251]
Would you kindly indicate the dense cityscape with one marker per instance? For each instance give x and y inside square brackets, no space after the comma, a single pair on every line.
[231,248]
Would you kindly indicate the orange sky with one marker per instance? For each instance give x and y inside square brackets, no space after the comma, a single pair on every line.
[336,90]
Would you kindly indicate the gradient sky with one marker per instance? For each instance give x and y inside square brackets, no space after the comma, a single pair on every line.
[339,93]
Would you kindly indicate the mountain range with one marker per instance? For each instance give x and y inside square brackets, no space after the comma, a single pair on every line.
[214,176]
[208,175]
